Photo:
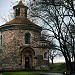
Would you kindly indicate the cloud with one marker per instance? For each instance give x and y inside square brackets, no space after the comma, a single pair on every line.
[59,59]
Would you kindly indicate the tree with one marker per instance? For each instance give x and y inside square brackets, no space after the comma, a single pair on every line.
[53,52]
[58,16]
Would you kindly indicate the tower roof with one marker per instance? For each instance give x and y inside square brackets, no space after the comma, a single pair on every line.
[19,20]
[20,5]
[21,23]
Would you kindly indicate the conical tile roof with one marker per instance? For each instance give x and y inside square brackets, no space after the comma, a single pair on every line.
[19,20]
[20,5]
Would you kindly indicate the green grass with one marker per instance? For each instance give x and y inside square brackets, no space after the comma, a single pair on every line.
[58,67]
[20,73]
[54,68]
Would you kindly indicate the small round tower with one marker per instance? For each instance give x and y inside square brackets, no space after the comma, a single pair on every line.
[20,10]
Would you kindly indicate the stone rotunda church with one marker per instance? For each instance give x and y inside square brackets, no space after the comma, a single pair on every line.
[21,44]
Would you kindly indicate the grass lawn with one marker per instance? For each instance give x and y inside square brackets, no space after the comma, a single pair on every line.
[54,68]
[58,67]
[20,73]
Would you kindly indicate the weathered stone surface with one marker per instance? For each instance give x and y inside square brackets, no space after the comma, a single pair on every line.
[15,54]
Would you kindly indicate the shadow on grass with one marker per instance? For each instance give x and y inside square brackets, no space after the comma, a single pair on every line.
[22,73]
[25,72]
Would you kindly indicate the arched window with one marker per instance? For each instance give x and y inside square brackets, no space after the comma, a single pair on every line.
[17,12]
[45,55]
[27,38]
[0,39]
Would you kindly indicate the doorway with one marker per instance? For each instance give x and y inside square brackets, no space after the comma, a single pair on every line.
[27,63]
[28,58]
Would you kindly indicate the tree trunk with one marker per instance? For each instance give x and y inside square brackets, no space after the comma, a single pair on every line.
[66,59]
[68,64]
[74,63]
[52,60]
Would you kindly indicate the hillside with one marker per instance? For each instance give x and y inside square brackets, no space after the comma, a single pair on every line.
[58,67]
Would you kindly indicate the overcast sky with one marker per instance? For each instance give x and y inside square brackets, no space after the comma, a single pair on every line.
[6,7]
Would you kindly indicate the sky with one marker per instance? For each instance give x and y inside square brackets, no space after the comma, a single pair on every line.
[6,6]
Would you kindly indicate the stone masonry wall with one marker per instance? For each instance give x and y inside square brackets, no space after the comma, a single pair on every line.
[16,37]
[12,40]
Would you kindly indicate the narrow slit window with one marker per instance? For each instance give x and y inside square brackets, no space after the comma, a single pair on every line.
[45,55]
[27,38]
[17,12]
[0,39]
